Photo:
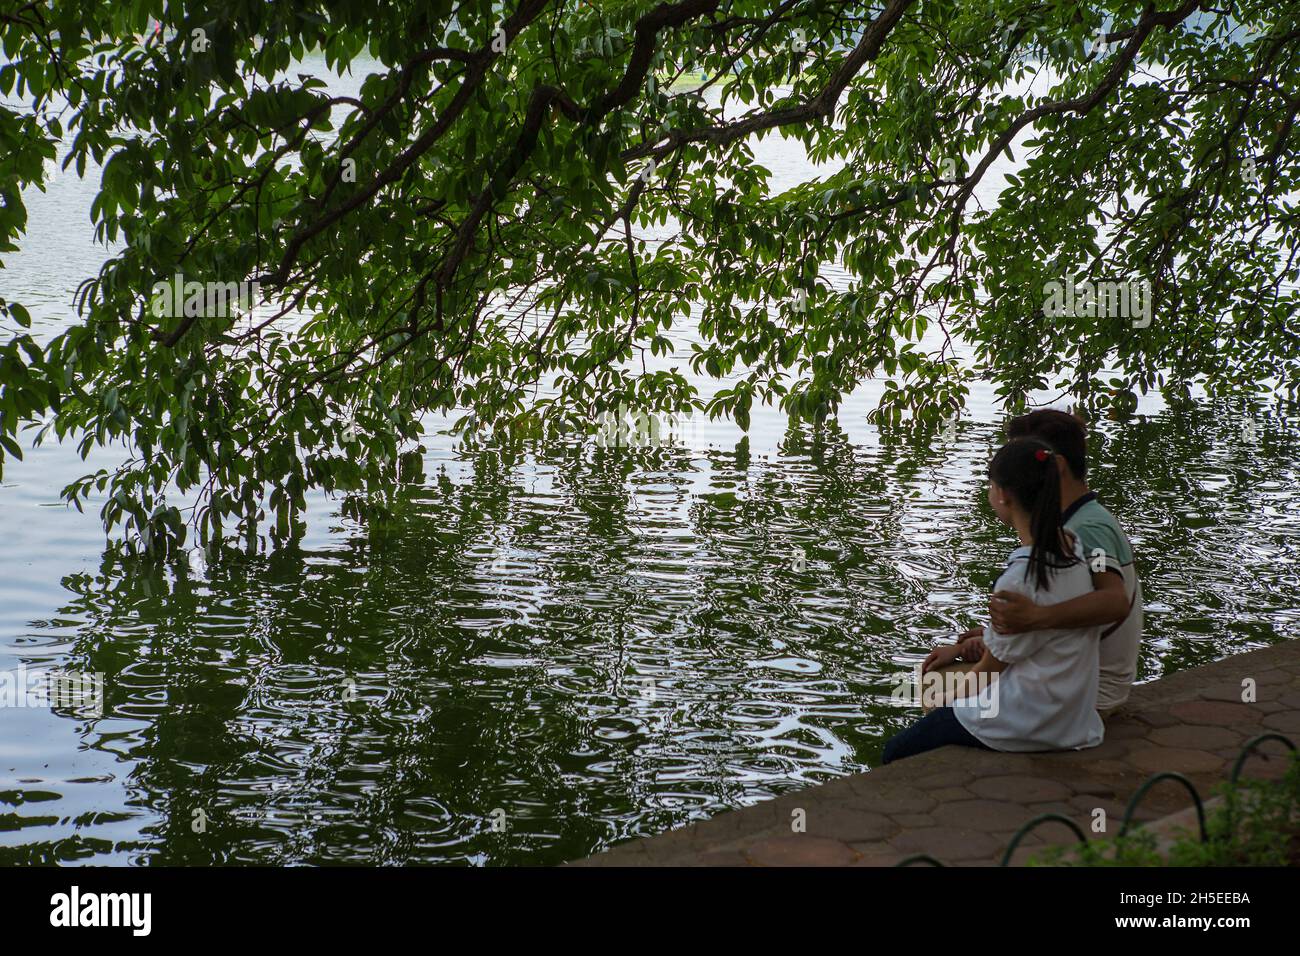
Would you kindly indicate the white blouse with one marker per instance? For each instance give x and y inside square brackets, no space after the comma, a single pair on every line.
[1046,699]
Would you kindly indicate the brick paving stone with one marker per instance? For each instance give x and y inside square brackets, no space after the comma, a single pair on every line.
[944,778]
[777,812]
[1287,723]
[1021,789]
[966,758]
[1074,771]
[1008,763]
[872,854]
[1214,713]
[1125,730]
[913,819]
[848,824]
[1097,788]
[947,843]
[1114,810]
[627,854]
[1157,718]
[1050,831]
[1197,737]
[1270,677]
[722,858]
[747,820]
[1165,797]
[888,798]
[1256,768]
[1269,751]
[1269,748]
[949,794]
[840,789]
[1229,692]
[674,845]
[986,815]
[1106,750]
[1155,759]
[801,849]
[1057,806]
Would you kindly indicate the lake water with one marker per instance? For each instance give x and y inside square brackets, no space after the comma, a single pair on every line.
[542,654]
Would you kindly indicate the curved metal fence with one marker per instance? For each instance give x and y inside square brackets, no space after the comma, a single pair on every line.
[1247,749]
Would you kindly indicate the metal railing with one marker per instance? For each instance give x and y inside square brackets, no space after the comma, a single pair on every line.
[1246,750]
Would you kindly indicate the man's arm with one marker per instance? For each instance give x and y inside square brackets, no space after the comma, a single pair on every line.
[1013,613]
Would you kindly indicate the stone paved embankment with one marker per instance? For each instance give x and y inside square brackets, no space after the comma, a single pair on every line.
[962,806]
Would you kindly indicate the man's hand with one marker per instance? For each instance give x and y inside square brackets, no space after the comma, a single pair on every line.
[1013,613]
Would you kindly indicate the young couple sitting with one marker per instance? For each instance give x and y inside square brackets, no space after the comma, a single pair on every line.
[1066,614]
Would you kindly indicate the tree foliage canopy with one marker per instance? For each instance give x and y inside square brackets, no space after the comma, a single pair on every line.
[472,225]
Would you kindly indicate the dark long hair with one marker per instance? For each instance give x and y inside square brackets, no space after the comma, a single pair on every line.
[1026,469]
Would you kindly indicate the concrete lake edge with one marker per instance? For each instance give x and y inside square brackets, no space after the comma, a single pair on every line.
[962,806]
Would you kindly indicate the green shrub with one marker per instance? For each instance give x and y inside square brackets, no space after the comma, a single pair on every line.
[1256,824]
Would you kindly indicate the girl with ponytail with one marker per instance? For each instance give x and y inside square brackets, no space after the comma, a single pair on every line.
[1036,690]
[1024,473]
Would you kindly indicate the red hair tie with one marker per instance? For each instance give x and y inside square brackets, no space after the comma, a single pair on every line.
[1042,454]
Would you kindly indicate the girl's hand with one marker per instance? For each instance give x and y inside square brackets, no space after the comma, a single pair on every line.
[941,657]
[972,649]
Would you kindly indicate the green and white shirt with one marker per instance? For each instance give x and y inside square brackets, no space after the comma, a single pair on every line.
[1106,547]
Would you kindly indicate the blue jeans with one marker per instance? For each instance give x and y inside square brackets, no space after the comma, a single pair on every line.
[936,729]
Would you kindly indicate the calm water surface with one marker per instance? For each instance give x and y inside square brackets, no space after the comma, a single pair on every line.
[588,644]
